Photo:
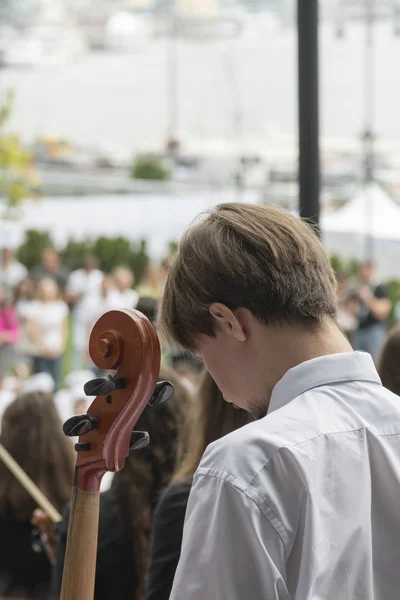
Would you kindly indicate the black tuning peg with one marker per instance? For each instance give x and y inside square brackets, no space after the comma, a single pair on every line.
[79,425]
[139,439]
[162,392]
[102,386]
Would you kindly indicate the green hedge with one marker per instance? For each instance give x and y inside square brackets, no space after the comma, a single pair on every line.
[110,252]
[150,167]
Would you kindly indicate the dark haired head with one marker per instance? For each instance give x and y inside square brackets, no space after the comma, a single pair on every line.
[148,306]
[389,362]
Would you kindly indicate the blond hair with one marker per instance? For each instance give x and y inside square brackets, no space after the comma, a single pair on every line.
[255,257]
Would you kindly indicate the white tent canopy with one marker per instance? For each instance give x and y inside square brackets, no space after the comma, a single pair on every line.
[371,212]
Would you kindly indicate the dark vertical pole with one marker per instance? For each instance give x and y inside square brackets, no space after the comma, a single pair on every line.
[172,78]
[309,174]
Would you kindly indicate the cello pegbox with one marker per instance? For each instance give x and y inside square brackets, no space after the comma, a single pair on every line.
[125,341]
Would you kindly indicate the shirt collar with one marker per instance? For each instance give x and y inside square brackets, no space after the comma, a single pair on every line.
[324,370]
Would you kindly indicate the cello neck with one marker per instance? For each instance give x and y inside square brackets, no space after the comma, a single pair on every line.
[125,341]
[81,551]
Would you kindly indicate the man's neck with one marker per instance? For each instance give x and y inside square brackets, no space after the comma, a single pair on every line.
[283,347]
[305,343]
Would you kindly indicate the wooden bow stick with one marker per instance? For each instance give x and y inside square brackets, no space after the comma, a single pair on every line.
[29,485]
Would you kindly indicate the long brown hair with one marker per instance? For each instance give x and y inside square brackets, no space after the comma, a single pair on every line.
[389,361]
[212,418]
[32,433]
[146,473]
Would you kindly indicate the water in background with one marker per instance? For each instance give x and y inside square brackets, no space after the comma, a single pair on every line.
[121,99]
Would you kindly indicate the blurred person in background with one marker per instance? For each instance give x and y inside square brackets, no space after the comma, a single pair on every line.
[347,307]
[154,280]
[24,295]
[12,272]
[52,268]
[48,329]
[211,417]
[32,434]
[148,306]
[374,310]
[149,286]
[396,312]
[9,330]
[7,395]
[95,307]
[98,306]
[122,294]
[83,292]
[126,508]
[389,361]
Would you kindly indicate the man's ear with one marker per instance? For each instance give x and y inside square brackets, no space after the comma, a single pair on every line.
[228,321]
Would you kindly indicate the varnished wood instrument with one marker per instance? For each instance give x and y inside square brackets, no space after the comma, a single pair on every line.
[123,341]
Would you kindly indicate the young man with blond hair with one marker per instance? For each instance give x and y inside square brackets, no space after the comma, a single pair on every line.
[303,503]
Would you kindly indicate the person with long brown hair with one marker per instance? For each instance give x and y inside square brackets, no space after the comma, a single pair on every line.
[389,361]
[126,508]
[211,418]
[48,327]
[31,432]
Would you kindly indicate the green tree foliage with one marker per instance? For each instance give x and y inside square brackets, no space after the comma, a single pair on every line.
[336,263]
[17,181]
[112,252]
[74,252]
[350,267]
[139,260]
[30,252]
[150,167]
[173,247]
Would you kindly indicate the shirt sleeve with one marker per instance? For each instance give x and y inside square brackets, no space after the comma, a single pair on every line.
[166,540]
[74,283]
[230,549]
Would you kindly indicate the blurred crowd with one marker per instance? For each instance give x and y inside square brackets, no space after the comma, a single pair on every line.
[142,507]
[46,316]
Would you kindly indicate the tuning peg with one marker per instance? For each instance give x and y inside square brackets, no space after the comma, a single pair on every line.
[79,425]
[102,386]
[162,392]
[139,439]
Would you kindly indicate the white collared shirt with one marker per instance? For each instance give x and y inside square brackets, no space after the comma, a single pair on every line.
[303,504]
